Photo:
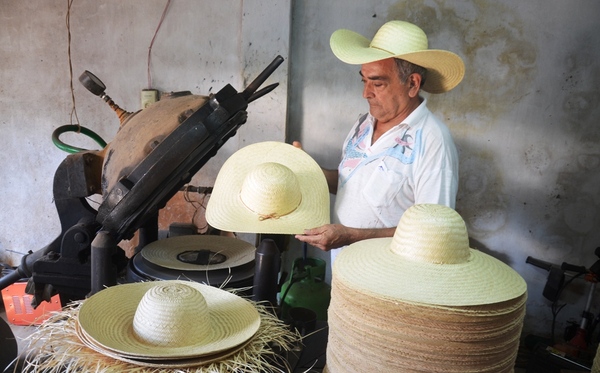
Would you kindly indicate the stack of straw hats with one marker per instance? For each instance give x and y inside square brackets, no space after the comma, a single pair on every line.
[159,326]
[166,320]
[423,301]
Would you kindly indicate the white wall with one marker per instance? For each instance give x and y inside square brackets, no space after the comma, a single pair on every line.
[524,118]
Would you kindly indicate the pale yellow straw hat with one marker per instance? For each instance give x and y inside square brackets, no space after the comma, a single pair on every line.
[167,252]
[167,320]
[269,187]
[404,40]
[428,261]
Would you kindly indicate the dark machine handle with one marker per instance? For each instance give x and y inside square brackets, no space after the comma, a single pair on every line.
[573,268]
[262,92]
[260,79]
[539,263]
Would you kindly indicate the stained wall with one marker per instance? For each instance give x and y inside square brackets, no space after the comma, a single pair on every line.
[524,120]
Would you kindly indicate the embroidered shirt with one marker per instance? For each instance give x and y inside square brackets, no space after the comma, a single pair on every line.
[414,162]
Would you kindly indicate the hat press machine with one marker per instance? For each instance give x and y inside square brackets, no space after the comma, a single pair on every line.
[85,256]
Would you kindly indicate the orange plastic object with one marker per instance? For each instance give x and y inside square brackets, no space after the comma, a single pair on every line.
[18,307]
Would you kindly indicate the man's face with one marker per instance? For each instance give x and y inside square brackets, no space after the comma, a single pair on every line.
[388,98]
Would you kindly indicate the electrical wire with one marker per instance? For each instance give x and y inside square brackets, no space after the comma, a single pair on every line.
[197,206]
[68,24]
[152,42]
[556,308]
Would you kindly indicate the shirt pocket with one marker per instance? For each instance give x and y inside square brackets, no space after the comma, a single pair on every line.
[383,186]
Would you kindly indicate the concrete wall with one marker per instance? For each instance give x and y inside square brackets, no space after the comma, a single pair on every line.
[523,118]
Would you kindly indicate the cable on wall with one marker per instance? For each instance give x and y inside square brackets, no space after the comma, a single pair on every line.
[152,42]
[73,108]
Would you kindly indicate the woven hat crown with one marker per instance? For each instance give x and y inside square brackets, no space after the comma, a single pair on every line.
[271,190]
[174,315]
[432,234]
[400,37]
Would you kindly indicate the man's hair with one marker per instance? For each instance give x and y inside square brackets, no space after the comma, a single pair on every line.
[405,69]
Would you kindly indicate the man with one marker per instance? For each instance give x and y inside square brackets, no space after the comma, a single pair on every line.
[399,154]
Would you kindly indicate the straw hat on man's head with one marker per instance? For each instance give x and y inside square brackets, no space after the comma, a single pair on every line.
[428,261]
[406,41]
[269,187]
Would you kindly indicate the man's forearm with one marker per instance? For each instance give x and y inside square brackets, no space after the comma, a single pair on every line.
[359,234]
[332,179]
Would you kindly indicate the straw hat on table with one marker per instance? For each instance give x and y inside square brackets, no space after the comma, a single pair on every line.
[406,41]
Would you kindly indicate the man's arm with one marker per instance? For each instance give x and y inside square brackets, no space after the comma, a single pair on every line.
[330,175]
[332,236]
[332,180]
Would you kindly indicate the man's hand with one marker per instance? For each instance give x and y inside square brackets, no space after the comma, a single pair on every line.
[332,236]
[326,237]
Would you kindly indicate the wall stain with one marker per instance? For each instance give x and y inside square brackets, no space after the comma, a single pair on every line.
[500,61]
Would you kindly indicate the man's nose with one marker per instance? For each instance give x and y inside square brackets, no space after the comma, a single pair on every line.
[367,90]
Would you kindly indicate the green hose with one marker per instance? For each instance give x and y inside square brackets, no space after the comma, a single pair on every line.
[75,128]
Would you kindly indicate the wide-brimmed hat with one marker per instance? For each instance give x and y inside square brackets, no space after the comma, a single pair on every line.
[167,320]
[404,40]
[199,252]
[269,187]
[428,261]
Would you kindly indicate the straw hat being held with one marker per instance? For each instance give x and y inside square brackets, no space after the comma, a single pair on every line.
[269,187]
[406,41]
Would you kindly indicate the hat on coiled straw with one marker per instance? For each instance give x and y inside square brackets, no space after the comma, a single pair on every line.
[269,187]
[403,40]
[423,301]
[174,330]
[167,319]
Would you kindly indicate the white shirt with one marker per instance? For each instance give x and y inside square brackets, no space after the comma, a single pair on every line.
[414,162]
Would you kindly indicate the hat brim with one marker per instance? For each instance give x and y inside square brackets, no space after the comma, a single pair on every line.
[164,253]
[160,362]
[445,70]
[370,267]
[107,319]
[225,210]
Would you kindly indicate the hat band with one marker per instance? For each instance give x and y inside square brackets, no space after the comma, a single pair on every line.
[272,215]
[381,49]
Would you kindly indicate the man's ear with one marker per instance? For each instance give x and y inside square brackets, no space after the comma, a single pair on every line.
[414,82]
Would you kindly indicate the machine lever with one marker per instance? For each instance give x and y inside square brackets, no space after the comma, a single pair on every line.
[262,92]
[260,79]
